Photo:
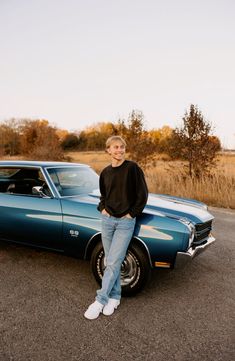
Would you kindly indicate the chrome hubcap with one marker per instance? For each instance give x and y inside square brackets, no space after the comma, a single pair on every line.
[128,269]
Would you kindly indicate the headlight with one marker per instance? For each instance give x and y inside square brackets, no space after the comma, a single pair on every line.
[191,230]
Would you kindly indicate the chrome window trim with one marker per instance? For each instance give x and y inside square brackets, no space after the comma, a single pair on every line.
[48,176]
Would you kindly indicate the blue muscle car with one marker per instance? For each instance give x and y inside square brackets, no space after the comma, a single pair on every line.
[53,205]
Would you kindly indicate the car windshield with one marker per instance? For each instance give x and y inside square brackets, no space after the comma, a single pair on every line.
[73,181]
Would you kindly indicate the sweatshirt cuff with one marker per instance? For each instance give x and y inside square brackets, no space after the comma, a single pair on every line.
[133,215]
[100,207]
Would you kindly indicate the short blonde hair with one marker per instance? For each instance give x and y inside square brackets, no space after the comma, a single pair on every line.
[113,139]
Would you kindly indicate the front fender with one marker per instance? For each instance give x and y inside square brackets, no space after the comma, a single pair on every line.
[162,236]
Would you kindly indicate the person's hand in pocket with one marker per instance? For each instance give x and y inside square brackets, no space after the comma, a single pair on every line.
[105,213]
[128,216]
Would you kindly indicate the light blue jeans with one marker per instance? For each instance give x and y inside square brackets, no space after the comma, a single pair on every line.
[116,236]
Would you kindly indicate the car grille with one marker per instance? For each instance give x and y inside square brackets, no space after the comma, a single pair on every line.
[202,233]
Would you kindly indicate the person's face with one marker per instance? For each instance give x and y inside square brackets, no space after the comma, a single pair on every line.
[117,150]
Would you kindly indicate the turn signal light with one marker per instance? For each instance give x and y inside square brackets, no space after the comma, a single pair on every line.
[163,264]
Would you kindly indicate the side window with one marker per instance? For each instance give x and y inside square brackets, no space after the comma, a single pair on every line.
[20,180]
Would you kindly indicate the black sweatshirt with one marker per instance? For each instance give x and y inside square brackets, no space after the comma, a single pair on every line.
[123,190]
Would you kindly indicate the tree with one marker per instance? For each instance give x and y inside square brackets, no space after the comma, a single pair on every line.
[70,142]
[194,143]
[94,136]
[40,141]
[140,146]
[9,137]
[161,138]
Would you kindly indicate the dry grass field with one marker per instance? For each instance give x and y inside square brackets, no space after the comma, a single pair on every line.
[166,177]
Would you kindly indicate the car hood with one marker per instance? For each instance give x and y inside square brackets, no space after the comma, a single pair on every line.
[176,207]
[164,206]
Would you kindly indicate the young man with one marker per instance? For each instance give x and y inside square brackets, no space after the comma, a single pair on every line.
[123,197]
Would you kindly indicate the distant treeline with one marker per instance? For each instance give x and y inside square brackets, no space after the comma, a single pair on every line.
[30,137]
[38,139]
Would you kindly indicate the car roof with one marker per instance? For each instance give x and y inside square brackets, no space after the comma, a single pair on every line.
[32,163]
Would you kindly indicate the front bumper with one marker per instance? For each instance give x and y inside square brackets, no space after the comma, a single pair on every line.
[183,258]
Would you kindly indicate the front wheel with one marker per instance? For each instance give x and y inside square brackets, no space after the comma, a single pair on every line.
[135,269]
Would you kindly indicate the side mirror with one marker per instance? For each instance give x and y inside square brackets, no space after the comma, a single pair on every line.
[39,191]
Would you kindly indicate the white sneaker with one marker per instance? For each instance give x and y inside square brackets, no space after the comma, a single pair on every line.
[93,310]
[111,306]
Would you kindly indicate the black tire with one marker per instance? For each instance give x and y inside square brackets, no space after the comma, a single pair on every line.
[135,271]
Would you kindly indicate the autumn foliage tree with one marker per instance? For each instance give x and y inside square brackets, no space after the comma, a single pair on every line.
[9,137]
[140,146]
[40,141]
[194,143]
[95,136]
[70,142]
[161,138]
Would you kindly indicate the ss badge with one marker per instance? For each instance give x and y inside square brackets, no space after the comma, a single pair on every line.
[73,233]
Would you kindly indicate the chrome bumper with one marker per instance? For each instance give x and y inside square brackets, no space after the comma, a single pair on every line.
[183,258]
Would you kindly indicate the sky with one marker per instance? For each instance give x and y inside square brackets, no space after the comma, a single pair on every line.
[80,62]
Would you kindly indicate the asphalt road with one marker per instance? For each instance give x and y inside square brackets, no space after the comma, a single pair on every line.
[182,315]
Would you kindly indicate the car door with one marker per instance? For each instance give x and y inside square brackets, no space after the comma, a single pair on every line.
[31,219]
